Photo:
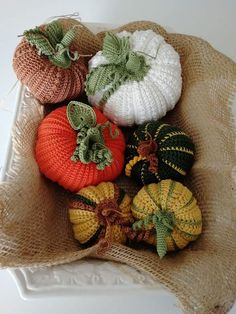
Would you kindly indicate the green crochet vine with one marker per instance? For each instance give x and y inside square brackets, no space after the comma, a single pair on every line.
[90,142]
[123,65]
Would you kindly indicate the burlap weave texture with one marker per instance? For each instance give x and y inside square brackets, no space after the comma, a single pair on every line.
[34,226]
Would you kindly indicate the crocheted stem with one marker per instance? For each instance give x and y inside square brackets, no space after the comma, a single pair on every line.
[147,149]
[123,65]
[109,213]
[52,43]
[90,141]
[164,223]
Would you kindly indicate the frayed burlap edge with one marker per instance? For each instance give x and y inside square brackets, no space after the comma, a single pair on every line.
[203,276]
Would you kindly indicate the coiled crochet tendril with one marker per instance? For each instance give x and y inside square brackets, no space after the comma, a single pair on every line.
[90,142]
[109,214]
[164,223]
[123,65]
[52,43]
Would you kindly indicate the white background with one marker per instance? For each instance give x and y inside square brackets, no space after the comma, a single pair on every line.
[213,20]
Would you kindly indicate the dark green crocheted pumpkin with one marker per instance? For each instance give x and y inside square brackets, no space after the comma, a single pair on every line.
[158,151]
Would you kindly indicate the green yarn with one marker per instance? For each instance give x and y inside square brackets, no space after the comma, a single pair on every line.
[123,65]
[173,153]
[115,49]
[90,142]
[80,115]
[164,223]
[52,43]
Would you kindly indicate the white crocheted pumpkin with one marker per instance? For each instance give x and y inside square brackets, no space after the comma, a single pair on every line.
[135,78]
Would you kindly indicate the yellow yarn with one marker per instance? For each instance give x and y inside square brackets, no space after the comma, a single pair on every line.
[131,163]
[100,209]
[167,208]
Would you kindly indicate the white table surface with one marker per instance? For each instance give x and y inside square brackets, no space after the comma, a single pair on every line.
[213,20]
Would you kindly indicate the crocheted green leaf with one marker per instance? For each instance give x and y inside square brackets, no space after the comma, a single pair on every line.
[115,49]
[124,65]
[51,42]
[54,33]
[80,115]
[35,30]
[40,41]
[98,78]
[69,37]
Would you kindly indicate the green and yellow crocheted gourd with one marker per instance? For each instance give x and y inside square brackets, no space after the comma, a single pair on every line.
[158,151]
[100,212]
[169,213]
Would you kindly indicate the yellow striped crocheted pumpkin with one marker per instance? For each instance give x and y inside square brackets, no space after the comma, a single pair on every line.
[169,210]
[157,151]
[100,212]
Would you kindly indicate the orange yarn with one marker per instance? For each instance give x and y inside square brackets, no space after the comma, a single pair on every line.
[47,82]
[56,142]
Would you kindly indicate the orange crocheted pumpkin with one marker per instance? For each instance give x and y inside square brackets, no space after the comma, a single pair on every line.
[77,146]
[47,62]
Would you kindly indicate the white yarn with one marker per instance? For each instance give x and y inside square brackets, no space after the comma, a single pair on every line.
[150,99]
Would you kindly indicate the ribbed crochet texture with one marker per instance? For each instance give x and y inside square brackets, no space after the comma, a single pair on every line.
[34,225]
[157,151]
[50,41]
[99,212]
[56,143]
[124,66]
[135,78]
[170,211]
[48,82]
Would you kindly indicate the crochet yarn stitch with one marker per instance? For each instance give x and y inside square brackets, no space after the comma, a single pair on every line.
[135,78]
[46,62]
[77,146]
[124,65]
[170,211]
[34,228]
[99,212]
[90,141]
[157,151]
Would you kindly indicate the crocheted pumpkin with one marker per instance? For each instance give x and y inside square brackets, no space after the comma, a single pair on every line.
[77,146]
[99,212]
[157,151]
[135,78]
[170,212]
[47,63]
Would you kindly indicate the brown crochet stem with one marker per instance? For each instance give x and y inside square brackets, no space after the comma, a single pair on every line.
[137,235]
[108,213]
[148,150]
[103,246]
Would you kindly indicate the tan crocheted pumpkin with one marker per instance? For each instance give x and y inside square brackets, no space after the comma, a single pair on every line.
[48,62]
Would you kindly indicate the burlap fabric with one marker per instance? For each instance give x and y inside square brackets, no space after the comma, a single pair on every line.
[34,227]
